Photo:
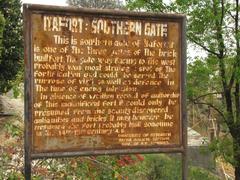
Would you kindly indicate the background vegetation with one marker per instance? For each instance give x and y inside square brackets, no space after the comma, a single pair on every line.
[213,88]
[141,167]
[11,44]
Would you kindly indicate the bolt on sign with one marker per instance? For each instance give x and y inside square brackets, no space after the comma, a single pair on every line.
[103,82]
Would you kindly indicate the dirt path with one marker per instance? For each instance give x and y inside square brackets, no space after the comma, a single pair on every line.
[11,119]
[11,106]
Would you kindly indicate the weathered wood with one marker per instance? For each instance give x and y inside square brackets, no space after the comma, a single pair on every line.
[104,82]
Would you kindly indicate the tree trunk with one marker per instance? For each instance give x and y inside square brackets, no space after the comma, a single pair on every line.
[237,173]
[1,106]
[237,167]
[236,153]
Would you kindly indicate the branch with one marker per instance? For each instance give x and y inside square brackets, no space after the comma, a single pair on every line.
[212,106]
[232,16]
[233,76]
[237,88]
[204,95]
[236,64]
[222,12]
[236,26]
[202,46]
[237,100]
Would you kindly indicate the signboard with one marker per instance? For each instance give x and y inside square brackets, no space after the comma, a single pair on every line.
[103,82]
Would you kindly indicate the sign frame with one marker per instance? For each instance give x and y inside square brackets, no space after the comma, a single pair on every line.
[28,10]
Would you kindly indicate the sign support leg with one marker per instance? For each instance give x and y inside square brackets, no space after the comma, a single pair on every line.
[184,165]
[27,166]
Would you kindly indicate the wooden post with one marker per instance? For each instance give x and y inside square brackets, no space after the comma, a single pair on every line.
[28,167]
[27,98]
[184,165]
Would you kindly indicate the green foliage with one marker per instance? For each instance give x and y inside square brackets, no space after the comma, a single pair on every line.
[210,26]
[223,147]
[150,5]
[13,130]
[15,176]
[17,83]
[213,82]
[9,169]
[12,46]
[110,4]
[200,174]
[2,24]
[163,167]
[11,153]
[198,75]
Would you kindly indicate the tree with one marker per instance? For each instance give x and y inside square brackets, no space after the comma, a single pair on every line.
[11,46]
[148,5]
[213,25]
[2,24]
[103,4]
